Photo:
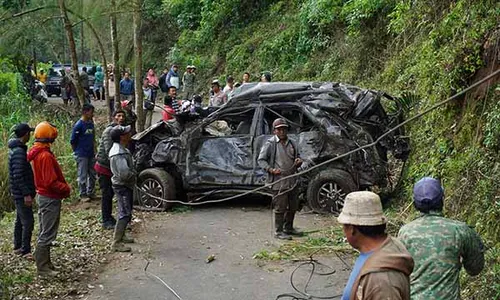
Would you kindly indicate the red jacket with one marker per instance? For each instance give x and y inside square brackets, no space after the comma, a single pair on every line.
[49,179]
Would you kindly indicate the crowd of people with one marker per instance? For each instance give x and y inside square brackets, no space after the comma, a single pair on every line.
[422,262]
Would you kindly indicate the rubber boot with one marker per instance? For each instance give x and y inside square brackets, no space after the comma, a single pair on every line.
[118,245]
[42,258]
[289,216]
[50,264]
[279,220]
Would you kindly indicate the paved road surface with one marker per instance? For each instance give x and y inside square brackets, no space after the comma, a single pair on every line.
[179,244]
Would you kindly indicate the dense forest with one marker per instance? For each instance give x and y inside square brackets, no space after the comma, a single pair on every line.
[426,50]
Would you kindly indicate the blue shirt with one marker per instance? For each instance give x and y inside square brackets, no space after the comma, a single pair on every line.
[354,274]
[126,87]
[82,138]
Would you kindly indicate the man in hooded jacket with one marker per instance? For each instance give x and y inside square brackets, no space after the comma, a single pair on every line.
[22,189]
[383,268]
[173,77]
[51,188]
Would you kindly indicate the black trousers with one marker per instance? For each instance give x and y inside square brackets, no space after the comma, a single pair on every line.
[107,198]
[23,226]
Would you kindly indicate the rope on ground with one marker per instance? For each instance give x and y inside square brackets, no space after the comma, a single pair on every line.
[160,280]
[304,294]
[329,161]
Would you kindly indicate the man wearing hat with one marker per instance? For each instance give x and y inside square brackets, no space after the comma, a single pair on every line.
[51,188]
[383,268]
[439,246]
[123,181]
[189,82]
[279,157]
[218,97]
[22,189]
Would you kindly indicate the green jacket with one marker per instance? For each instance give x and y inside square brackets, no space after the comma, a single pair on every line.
[439,247]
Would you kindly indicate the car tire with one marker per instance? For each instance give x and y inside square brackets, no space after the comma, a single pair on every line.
[158,183]
[327,190]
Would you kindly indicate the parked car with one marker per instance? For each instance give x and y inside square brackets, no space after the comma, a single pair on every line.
[54,76]
[217,156]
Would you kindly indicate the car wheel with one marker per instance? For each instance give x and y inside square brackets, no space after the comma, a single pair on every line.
[158,183]
[327,191]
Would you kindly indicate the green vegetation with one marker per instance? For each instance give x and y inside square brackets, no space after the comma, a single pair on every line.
[323,242]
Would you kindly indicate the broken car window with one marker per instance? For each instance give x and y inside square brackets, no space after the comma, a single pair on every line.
[235,122]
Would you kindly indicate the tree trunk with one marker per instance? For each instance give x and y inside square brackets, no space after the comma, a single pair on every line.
[103,55]
[139,94]
[116,55]
[72,47]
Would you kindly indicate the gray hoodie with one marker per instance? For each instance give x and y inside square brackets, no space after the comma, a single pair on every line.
[122,166]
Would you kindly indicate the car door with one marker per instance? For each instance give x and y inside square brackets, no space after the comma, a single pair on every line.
[221,151]
[302,129]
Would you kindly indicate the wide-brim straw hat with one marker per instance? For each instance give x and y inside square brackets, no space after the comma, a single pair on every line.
[362,208]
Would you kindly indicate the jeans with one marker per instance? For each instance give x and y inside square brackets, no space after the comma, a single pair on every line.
[107,198]
[49,215]
[23,226]
[86,175]
[125,196]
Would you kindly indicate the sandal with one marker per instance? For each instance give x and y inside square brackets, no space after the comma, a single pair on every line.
[28,256]
[18,251]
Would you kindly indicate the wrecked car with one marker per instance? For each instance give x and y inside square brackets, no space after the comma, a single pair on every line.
[188,159]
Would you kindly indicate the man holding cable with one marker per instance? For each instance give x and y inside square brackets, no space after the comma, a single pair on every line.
[279,157]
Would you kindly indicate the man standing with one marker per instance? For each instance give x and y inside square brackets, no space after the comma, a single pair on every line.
[51,188]
[170,105]
[83,143]
[127,88]
[440,246]
[22,189]
[246,78]
[266,77]
[229,85]
[279,157]
[218,97]
[103,170]
[163,81]
[172,78]
[123,180]
[188,82]
[383,268]
[42,76]
[84,79]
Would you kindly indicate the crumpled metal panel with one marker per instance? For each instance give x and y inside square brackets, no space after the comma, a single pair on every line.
[349,117]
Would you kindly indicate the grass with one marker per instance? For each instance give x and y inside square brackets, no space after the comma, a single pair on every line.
[325,242]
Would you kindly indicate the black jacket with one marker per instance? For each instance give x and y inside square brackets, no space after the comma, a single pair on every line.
[20,173]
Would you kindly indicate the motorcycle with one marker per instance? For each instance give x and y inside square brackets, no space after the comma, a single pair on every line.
[39,92]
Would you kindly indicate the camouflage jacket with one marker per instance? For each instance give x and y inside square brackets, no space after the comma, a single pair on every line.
[439,247]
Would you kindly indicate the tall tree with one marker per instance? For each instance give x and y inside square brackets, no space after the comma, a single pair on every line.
[116,54]
[72,48]
[139,95]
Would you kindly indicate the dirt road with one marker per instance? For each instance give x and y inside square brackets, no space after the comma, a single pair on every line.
[178,245]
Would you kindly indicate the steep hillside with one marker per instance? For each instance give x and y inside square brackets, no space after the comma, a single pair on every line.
[429,49]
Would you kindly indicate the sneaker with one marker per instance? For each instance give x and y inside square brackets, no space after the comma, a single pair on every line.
[85,199]
[282,236]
